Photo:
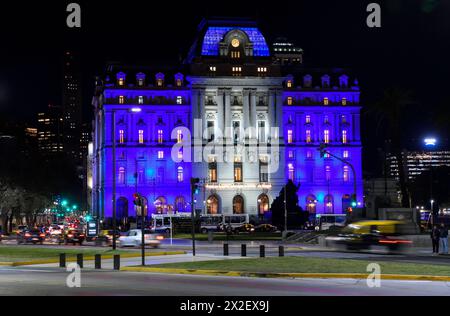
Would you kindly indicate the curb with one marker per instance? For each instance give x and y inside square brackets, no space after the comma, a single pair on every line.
[288,275]
[89,258]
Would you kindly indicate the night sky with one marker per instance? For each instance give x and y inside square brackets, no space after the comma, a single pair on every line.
[411,50]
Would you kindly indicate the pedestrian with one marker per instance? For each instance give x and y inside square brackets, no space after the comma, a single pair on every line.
[443,234]
[435,239]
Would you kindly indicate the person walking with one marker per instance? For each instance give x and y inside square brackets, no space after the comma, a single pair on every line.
[435,239]
[443,235]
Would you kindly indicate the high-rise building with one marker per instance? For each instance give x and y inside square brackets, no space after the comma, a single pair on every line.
[72,105]
[50,131]
[232,116]
[286,52]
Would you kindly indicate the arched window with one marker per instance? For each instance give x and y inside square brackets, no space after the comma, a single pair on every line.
[311,204]
[346,174]
[344,136]
[326,136]
[291,172]
[180,204]
[121,178]
[263,204]
[161,205]
[180,174]
[346,202]
[238,204]
[212,205]
[329,204]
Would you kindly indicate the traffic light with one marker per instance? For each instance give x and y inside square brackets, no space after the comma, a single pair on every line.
[195,185]
[137,200]
[353,201]
[322,150]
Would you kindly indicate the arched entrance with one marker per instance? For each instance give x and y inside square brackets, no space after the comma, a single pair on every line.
[180,204]
[263,204]
[161,205]
[329,204]
[311,204]
[238,205]
[212,204]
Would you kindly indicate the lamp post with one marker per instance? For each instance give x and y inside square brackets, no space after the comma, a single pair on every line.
[114,178]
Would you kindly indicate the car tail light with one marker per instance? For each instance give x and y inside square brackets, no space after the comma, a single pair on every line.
[81,235]
[27,235]
[159,237]
[70,235]
[42,235]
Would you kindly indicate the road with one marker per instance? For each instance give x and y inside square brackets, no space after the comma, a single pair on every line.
[51,281]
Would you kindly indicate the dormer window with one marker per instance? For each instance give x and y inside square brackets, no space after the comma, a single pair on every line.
[308,119]
[325,81]
[289,100]
[140,79]
[141,99]
[307,81]
[343,81]
[121,99]
[326,101]
[159,79]
[289,83]
[120,79]
[179,80]
[344,101]
[179,99]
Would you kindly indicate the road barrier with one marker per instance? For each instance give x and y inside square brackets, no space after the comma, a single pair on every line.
[243,250]
[225,249]
[262,251]
[62,260]
[98,261]
[80,260]
[116,262]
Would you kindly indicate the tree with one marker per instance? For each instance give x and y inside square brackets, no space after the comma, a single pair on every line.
[9,203]
[388,113]
[296,217]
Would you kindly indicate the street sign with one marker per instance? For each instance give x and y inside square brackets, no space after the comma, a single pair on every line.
[92,229]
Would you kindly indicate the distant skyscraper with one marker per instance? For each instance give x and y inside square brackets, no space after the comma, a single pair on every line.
[72,105]
[50,131]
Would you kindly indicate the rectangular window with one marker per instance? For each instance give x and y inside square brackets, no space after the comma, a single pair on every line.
[291,154]
[212,169]
[344,137]
[262,131]
[141,99]
[212,68]
[237,169]
[141,174]
[179,83]
[179,100]
[308,119]
[343,119]
[289,136]
[326,136]
[180,154]
[210,130]
[327,173]
[140,82]
[346,174]
[289,100]
[121,136]
[179,136]
[180,174]
[236,131]
[121,82]
[121,177]
[121,99]
[325,101]
[291,172]
[263,169]
[289,84]
[159,82]
[308,136]
[309,154]
[345,154]
[160,154]
[141,136]
[344,101]
[160,136]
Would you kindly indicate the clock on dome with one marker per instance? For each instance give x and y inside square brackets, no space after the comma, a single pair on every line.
[235,42]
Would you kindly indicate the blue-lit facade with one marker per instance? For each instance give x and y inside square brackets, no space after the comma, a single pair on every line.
[230,80]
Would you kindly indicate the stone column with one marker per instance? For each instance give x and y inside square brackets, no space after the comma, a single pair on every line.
[253,112]
[227,111]
[271,109]
[195,111]
[220,113]
[246,109]
[202,111]
[279,113]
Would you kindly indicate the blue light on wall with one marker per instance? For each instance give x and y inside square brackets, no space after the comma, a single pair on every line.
[214,35]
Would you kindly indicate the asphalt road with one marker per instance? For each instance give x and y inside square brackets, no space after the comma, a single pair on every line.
[50,281]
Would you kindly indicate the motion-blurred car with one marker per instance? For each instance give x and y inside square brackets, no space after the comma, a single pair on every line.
[266,228]
[30,236]
[367,234]
[245,228]
[134,238]
[74,236]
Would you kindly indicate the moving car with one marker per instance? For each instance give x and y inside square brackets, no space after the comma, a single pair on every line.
[30,235]
[245,228]
[134,238]
[374,233]
[74,236]
[266,228]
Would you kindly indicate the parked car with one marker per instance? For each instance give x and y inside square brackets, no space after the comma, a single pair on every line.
[266,228]
[245,228]
[74,236]
[30,235]
[134,238]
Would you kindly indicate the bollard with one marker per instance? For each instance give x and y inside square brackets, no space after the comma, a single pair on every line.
[116,262]
[281,251]
[225,249]
[98,261]
[262,251]
[244,250]
[80,260]
[62,260]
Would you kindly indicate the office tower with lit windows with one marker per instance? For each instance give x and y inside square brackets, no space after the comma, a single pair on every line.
[50,134]
[230,80]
